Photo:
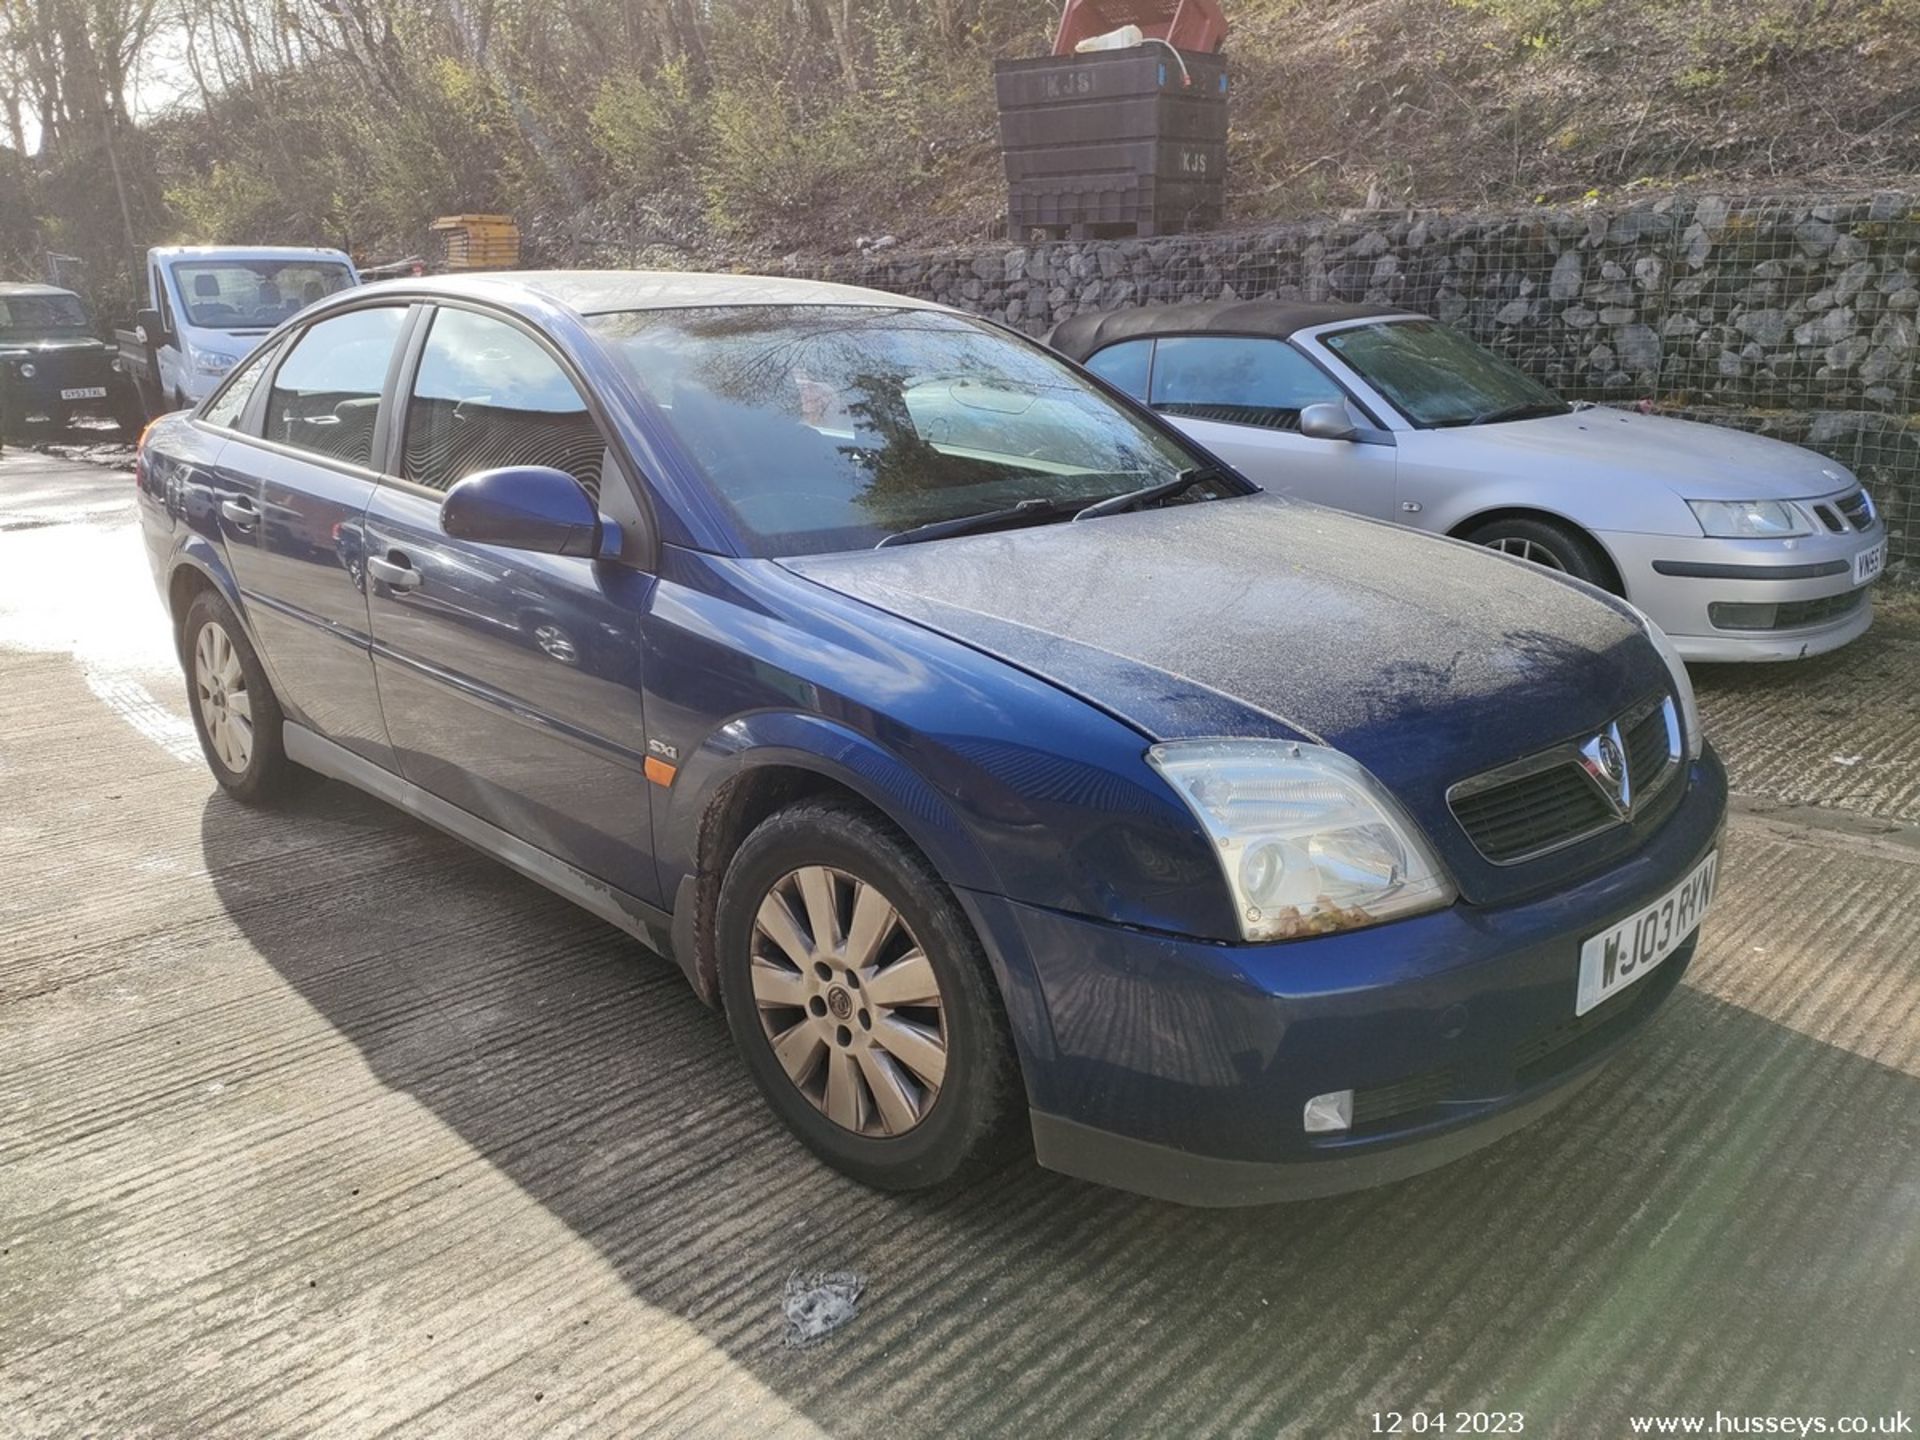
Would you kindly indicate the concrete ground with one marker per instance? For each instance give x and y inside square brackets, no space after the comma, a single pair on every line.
[316,1122]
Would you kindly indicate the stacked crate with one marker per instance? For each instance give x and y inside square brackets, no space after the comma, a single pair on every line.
[1115,142]
[478,242]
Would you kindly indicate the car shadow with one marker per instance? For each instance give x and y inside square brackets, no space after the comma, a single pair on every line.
[1727,1219]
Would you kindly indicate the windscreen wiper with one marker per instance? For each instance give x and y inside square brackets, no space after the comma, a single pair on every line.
[1037,508]
[1525,410]
[1147,494]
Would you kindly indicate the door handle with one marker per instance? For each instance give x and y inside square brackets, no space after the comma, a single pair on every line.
[240,513]
[393,571]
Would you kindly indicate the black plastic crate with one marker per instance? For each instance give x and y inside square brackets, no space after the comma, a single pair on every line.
[1114,141]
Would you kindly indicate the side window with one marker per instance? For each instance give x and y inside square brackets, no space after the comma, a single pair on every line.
[1237,380]
[1125,366]
[487,395]
[225,407]
[326,396]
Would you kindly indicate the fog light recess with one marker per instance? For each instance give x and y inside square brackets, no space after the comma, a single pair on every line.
[1330,1112]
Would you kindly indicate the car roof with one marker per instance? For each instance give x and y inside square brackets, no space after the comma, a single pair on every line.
[1081,335]
[245,252]
[595,292]
[29,287]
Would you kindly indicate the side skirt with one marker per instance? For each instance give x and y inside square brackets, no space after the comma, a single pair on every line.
[650,925]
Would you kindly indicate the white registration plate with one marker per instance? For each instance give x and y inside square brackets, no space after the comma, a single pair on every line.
[1632,949]
[85,392]
[1869,563]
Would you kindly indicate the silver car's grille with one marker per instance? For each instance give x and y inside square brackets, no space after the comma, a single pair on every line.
[1573,791]
[1853,511]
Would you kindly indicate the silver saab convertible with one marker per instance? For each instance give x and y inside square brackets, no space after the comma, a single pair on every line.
[1739,547]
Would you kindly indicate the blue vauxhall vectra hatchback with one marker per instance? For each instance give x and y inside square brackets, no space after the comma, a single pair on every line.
[1010,770]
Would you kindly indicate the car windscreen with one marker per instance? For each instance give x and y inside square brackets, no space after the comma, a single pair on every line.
[253,294]
[42,315]
[832,427]
[1436,376]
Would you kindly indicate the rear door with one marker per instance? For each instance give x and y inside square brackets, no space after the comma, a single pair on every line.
[510,681]
[290,493]
[1241,397]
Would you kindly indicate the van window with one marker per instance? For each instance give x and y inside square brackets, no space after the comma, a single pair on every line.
[326,396]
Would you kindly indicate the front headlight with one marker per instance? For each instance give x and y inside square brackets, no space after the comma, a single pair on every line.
[212,362]
[1308,841]
[1682,686]
[1749,519]
[28,370]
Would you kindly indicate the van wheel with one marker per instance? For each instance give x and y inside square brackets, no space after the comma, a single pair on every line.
[861,1001]
[235,713]
[1550,546]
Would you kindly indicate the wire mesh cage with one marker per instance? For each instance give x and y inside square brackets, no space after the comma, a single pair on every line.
[1797,318]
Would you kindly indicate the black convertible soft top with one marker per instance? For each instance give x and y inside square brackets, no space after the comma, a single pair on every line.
[1081,335]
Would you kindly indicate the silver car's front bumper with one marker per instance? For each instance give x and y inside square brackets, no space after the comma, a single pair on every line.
[1678,581]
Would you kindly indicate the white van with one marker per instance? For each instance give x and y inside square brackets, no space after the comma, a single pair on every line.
[208,306]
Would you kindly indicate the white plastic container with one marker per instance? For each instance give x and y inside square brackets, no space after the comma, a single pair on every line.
[1125,38]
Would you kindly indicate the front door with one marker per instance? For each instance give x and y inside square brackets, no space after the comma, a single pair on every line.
[289,492]
[510,681]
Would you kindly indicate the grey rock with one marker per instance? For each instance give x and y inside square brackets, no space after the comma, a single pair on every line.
[1579,317]
[1639,348]
[1830,329]
[1016,265]
[1908,299]
[1815,236]
[1679,327]
[1374,242]
[1710,213]
[1568,271]
[1858,276]
[989,267]
[1617,315]
[1646,272]
[1847,353]
[1699,245]
[1897,332]
[1846,250]
[1731,366]
[1765,325]
[1515,312]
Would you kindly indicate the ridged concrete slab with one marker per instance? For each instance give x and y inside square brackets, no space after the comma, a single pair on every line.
[313,1122]
[1841,730]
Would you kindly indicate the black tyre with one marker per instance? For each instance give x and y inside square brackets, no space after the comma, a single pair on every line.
[234,710]
[861,1001]
[1551,546]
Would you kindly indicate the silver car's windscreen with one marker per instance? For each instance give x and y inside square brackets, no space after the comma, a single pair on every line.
[832,427]
[1436,376]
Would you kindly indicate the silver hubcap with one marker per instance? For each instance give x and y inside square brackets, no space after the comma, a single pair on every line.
[1526,550]
[848,1001]
[225,706]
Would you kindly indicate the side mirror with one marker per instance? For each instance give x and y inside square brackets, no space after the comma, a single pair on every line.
[529,507]
[1328,420]
[153,330]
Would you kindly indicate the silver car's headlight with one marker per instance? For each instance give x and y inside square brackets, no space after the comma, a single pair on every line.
[1682,686]
[1749,519]
[1308,841]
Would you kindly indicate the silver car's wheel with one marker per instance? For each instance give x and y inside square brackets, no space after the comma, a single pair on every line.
[1526,549]
[226,705]
[848,1001]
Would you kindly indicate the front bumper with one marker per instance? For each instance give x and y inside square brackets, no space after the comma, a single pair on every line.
[1180,1068]
[1678,581]
[41,395]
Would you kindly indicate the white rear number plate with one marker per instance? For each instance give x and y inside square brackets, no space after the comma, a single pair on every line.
[88,392]
[1615,958]
[1869,563]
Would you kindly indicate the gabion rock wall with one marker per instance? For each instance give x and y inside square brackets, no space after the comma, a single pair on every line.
[1795,318]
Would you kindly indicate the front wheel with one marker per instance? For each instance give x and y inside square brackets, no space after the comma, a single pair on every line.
[235,713]
[861,1002]
[1546,544]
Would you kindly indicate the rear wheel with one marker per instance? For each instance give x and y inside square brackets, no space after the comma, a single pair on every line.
[1546,544]
[235,713]
[861,1001]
